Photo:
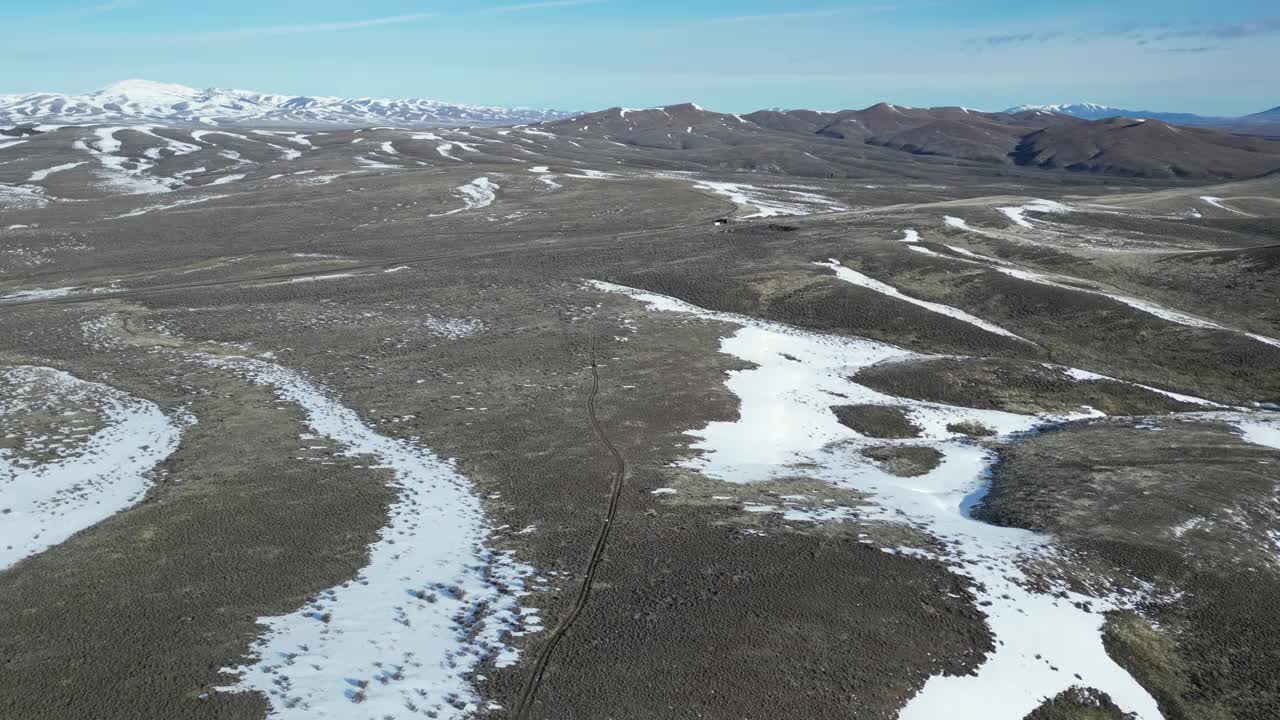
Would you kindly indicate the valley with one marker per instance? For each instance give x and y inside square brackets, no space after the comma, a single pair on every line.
[883,413]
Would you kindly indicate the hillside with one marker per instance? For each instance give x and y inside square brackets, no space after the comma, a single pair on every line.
[1148,148]
[1033,138]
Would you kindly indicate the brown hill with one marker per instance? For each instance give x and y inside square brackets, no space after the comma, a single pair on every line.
[1053,141]
[675,127]
[1148,148]
[796,121]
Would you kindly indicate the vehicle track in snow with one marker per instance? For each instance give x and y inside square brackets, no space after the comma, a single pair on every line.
[524,705]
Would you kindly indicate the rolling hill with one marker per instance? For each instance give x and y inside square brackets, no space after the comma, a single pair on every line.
[1032,138]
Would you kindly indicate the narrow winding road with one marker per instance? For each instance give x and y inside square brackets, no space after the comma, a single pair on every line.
[524,706]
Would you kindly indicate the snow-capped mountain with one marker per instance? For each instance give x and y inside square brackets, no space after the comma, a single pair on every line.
[1093,111]
[1089,111]
[144,101]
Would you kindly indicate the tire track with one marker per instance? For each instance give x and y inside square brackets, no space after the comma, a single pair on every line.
[524,705]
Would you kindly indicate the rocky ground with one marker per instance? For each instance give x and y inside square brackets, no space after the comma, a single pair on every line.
[658,507]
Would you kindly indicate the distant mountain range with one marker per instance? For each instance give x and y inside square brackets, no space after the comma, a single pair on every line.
[1266,121]
[805,143]
[1093,111]
[138,101]
[951,131]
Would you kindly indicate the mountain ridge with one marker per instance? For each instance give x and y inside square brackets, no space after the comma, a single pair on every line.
[1096,111]
[147,101]
[1265,123]
[1132,147]
[137,100]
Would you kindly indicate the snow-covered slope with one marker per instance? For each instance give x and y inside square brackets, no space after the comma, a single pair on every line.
[1093,111]
[143,101]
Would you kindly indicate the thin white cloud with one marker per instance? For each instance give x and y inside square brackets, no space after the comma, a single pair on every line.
[109,6]
[83,11]
[544,5]
[322,27]
[800,15]
[1268,25]
[795,15]
[1145,35]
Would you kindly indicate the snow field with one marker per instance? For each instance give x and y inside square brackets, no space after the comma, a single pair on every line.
[785,421]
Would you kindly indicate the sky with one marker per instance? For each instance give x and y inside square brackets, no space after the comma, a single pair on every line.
[1216,58]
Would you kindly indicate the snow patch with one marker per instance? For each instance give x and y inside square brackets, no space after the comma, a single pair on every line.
[39,294]
[40,175]
[1018,214]
[432,606]
[592,175]
[1146,306]
[93,476]
[1086,376]
[1260,429]
[1217,202]
[769,202]
[854,277]
[478,193]
[168,206]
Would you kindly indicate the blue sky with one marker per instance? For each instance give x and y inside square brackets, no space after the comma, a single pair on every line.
[729,55]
